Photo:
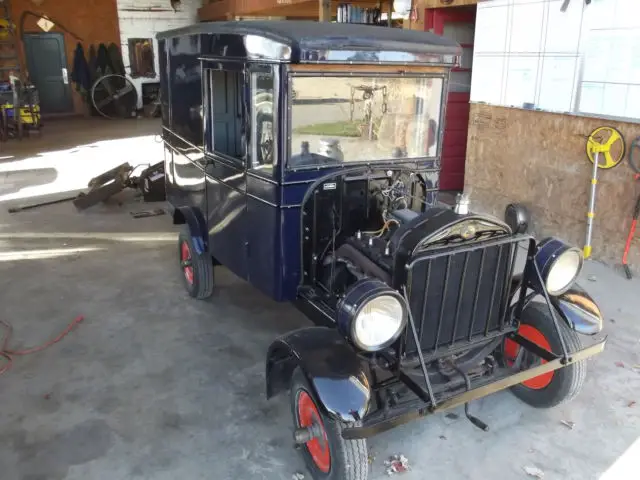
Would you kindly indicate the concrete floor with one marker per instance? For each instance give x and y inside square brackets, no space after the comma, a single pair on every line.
[154,385]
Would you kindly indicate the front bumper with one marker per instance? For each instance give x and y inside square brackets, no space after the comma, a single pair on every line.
[553,363]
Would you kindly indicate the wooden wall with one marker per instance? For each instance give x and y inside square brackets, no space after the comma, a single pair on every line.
[95,21]
[539,159]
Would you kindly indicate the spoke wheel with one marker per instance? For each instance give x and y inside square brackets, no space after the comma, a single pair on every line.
[114,96]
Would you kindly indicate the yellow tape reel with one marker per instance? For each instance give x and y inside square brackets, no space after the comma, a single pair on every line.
[609,142]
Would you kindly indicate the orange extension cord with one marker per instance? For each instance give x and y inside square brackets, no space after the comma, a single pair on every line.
[8,354]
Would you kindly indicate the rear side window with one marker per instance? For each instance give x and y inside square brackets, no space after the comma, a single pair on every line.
[225,114]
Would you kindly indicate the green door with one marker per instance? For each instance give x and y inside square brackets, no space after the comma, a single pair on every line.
[47,64]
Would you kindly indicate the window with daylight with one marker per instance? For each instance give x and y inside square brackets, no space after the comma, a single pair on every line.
[141,57]
[579,60]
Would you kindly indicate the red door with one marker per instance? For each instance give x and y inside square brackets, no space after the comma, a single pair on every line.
[457,24]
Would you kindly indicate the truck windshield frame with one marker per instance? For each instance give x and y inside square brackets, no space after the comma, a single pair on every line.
[339,118]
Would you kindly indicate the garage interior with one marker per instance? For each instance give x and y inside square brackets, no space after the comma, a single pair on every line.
[153,385]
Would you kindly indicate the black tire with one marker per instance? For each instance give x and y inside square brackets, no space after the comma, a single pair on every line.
[348,458]
[566,382]
[199,283]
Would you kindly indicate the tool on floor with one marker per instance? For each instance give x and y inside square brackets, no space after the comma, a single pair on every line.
[148,213]
[603,143]
[632,231]
[150,182]
[41,204]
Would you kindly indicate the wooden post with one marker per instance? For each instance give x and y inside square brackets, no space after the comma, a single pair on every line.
[324,10]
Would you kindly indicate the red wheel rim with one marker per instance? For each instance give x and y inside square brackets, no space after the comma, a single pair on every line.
[511,350]
[318,448]
[185,260]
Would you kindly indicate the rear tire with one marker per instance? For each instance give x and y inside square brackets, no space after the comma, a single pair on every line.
[197,269]
[330,457]
[553,388]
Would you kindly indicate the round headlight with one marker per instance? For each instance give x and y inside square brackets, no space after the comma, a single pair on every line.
[559,265]
[378,323]
[564,271]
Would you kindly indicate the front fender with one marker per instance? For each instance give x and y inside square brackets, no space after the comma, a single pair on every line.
[330,364]
[579,310]
[197,226]
[575,307]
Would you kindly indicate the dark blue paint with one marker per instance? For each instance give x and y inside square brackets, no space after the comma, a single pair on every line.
[252,217]
[197,226]
[331,366]
[290,242]
[579,310]
[262,227]
[226,217]
[575,306]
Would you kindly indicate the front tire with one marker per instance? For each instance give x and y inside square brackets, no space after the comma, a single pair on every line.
[553,388]
[197,268]
[328,456]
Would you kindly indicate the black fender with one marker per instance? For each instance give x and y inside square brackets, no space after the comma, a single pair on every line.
[331,365]
[194,218]
[575,306]
[579,310]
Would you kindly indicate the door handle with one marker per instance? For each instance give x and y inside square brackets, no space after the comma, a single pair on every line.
[65,76]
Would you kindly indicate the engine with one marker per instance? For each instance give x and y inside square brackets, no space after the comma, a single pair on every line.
[358,226]
[367,253]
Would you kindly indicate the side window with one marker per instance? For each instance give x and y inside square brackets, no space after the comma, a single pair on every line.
[164,83]
[186,98]
[263,153]
[226,114]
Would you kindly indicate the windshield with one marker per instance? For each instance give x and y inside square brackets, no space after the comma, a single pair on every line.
[362,119]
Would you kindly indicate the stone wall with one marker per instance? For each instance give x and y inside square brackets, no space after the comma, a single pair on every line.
[538,158]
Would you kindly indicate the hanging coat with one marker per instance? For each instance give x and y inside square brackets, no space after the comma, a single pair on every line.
[93,63]
[115,59]
[102,63]
[80,74]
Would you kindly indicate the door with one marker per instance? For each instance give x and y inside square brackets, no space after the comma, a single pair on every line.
[458,24]
[47,64]
[225,146]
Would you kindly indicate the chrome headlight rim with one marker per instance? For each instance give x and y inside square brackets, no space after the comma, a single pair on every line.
[403,321]
[548,255]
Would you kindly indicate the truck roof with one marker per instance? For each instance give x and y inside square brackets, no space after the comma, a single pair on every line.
[304,36]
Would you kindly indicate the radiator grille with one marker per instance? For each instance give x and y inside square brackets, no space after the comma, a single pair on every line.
[459,296]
